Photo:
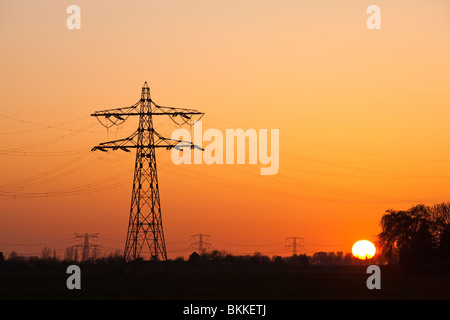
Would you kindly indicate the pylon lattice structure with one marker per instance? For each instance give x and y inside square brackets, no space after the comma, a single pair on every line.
[145,230]
[199,243]
[86,245]
[295,244]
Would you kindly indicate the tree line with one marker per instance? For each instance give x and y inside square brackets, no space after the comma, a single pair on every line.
[412,238]
[214,258]
[416,237]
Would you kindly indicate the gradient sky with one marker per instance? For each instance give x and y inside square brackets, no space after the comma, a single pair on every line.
[363,118]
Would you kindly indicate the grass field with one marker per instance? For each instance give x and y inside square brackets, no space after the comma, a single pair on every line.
[186,282]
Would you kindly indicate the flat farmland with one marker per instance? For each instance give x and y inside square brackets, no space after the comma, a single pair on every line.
[186,282]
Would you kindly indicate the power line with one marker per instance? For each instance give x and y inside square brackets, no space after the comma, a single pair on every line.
[345,149]
[23,149]
[48,178]
[100,185]
[348,194]
[341,195]
[56,242]
[43,126]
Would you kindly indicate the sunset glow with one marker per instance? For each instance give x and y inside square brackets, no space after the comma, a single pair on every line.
[363,249]
[361,116]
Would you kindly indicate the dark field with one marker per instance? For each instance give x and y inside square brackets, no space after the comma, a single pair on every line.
[187,282]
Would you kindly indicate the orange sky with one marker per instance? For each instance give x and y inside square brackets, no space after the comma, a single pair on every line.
[363,117]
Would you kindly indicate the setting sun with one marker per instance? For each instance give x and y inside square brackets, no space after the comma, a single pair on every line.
[363,249]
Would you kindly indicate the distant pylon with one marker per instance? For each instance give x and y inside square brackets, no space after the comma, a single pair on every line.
[145,230]
[86,245]
[295,243]
[199,244]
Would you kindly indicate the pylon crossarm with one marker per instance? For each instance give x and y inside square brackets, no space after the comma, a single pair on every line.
[115,116]
[119,115]
[184,114]
[175,144]
[161,142]
[180,116]
[123,144]
[173,110]
[133,111]
[117,112]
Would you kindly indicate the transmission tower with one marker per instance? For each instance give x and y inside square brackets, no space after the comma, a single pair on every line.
[86,245]
[199,244]
[145,222]
[294,243]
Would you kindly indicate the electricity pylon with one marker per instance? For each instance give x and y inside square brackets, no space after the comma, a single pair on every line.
[294,244]
[199,243]
[86,245]
[145,222]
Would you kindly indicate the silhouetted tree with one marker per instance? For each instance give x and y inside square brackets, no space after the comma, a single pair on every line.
[194,257]
[277,260]
[440,220]
[46,253]
[13,255]
[413,236]
[69,254]
[422,243]
[216,255]
[319,257]
[298,260]
[348,259]
[420,249]
[444,245]
[399,228]
[115,258]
